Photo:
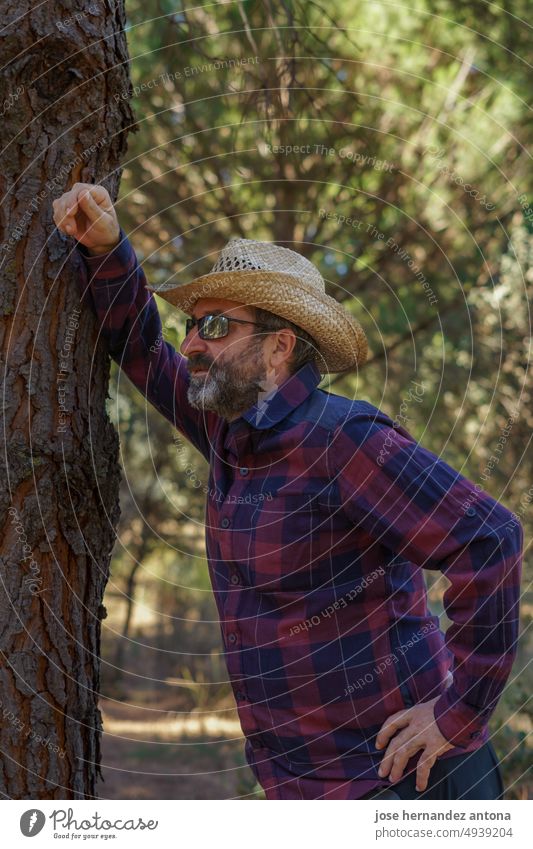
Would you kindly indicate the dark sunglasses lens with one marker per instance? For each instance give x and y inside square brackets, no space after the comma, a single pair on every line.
[213,326]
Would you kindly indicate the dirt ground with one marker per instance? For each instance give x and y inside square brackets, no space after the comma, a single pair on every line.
[149,755]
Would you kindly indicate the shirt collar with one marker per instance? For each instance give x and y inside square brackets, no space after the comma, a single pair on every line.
[277,404]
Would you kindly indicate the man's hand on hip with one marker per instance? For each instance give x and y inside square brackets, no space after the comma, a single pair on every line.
[418,731]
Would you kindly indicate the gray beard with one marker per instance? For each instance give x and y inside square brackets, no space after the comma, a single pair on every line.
[231,387]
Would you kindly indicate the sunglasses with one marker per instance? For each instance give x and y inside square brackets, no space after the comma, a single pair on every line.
[215,326]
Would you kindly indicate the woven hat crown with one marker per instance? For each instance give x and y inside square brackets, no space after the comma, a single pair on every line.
[251,255]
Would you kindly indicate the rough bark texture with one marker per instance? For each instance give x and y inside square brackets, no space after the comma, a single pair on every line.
[60,124]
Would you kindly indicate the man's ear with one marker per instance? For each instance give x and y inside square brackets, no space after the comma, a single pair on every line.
[285,342]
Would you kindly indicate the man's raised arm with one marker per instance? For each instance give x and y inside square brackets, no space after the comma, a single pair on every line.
[127,313]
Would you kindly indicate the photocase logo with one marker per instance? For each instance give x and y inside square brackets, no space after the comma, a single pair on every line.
[32,822]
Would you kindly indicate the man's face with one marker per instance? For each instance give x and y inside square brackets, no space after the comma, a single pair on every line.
[227,374]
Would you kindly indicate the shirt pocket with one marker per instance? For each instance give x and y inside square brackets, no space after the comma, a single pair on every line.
[285,544]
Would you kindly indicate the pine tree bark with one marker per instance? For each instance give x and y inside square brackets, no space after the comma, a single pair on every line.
[61,123]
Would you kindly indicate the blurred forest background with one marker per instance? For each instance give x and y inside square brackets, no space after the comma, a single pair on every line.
[413,122]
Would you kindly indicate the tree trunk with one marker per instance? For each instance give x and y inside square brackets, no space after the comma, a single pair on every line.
[61,124]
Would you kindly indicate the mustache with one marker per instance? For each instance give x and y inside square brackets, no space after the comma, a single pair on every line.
[199,362]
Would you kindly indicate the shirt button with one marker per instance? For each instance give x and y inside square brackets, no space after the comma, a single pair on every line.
[235,579]
[225,522]
[256,742]
[244,470]
[475,734]
[240,696]
[471,512]
[232,638]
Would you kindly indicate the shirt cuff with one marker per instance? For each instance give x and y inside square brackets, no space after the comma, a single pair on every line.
[457,722]
[111,265]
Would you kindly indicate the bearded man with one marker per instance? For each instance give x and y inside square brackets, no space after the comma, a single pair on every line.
[345,685]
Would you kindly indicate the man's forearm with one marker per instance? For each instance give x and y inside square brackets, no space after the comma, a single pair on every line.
[483,636]
[126,312]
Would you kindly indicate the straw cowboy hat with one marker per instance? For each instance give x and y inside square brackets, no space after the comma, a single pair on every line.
[283,282]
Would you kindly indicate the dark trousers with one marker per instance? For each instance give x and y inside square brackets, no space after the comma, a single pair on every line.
[474,775]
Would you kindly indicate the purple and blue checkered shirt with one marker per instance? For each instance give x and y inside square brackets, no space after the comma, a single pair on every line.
[320,515]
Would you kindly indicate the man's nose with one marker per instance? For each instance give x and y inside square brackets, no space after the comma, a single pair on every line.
[193,344]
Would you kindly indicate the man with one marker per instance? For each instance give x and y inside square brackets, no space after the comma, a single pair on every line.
[324,513]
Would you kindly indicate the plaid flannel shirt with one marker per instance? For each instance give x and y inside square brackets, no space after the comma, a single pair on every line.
[321,513]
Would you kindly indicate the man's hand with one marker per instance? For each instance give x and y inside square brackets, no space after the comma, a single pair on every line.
[420,731]
[87,213]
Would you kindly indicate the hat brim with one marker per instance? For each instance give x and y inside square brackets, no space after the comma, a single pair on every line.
[342,343]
